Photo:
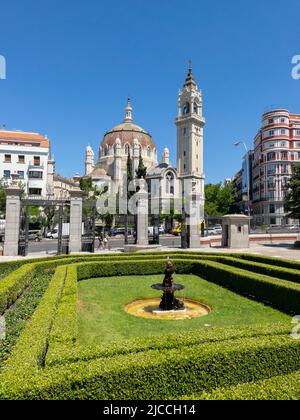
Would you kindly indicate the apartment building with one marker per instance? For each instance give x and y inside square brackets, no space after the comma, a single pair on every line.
[28,156]
[276,151]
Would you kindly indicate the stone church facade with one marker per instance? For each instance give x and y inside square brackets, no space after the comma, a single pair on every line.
[164,180]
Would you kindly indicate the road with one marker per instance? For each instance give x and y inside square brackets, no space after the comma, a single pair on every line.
[50,246]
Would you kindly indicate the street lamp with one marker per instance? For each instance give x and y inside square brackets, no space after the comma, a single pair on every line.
[248,171]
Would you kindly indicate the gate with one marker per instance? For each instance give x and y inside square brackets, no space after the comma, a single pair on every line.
[63,207]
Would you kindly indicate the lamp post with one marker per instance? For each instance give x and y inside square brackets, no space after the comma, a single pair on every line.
[248,172]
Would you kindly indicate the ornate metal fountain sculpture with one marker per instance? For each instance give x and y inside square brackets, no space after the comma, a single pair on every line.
[169,302]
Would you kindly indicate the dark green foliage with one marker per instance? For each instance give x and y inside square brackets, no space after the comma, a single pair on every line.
[160,368]
[18,315]
[142,170]
[219,199]
[292,199]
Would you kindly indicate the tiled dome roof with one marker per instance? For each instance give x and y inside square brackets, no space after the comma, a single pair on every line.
[127,132]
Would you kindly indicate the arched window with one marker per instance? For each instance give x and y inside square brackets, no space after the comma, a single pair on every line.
[196,108]
[186,108]
[170,183]
[106,151]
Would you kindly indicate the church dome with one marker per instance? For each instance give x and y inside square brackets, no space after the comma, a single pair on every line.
[127,132]
[98,173]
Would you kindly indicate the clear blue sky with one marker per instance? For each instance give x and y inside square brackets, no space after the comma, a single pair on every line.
[71,65]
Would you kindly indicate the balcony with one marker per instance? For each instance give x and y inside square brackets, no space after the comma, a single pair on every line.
[34,165]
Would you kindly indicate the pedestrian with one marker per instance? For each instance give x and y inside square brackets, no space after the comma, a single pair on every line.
[100,239]
[105,241]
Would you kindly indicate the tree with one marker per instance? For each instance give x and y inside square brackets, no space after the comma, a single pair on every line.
[292,199]
[2,199]
[142,170]
[129,179]
[219,199]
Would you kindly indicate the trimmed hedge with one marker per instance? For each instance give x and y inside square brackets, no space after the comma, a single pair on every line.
[29,353]
[184,364]
[284,387]
[18,315]
[158,374]
[13,285]
[281,294]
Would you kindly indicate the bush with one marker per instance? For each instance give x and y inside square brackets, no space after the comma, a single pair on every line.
[29,353]
[47,363]
[160,374]
[284,387]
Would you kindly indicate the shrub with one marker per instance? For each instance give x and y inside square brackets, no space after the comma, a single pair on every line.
[159,374]
[29,353]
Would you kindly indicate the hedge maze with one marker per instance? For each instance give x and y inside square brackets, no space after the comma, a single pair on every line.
[42,358]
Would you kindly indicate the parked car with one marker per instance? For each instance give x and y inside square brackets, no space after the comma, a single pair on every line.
[35,236]
[52,235]
[118,232]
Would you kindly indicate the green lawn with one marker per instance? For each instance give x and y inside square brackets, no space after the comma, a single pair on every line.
[102,317]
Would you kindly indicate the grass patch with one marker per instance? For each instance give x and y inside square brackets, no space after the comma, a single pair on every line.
[102,319]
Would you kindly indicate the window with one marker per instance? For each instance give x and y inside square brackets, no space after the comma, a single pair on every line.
[298,133]
[271,183]
[186,108]
[283,132]
[21,159]
[271,121]
[284,169]
[271,156]
[7,158]
[6,174]
[184,131]
[37,161]
[271,133]
[106,151]
[35,175]
[284,156]
[148,151]
[271,169]
[21,174]
[282,120]
[184,154]
[285,181]
[195,108]
[35,191]
[170,183]
[272,208]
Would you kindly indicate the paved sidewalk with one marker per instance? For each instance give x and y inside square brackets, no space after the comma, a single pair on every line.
[285,251]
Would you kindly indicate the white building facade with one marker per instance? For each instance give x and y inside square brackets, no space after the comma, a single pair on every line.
[27,155]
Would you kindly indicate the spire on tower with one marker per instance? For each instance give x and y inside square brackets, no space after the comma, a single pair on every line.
[190,80]
[128,111]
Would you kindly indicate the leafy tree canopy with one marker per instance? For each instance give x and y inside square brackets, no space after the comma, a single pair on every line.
[292,199]
[219,199]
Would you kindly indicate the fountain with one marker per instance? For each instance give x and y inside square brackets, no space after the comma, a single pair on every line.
[167,308]
[168,301]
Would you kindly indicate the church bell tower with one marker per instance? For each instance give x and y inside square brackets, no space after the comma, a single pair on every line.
[190,126]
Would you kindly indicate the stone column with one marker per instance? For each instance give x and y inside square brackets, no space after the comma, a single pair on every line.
[142,218]
[194,220]
[12,223]
[75,239]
